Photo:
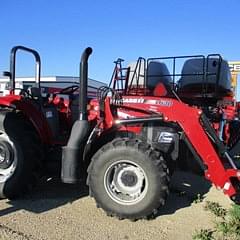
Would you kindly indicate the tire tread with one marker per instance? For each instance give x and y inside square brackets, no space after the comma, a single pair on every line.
[153,155]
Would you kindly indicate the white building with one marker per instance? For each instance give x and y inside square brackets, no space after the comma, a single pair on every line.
[49,84]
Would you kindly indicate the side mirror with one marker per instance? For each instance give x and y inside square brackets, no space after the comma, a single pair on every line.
[6,74]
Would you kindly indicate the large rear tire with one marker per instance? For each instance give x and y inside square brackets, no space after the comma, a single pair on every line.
[20,156]
[128,179]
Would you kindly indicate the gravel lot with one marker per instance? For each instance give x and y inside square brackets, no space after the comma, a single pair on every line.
[58,211]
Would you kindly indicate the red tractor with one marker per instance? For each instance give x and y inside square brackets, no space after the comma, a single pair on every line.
[129,140]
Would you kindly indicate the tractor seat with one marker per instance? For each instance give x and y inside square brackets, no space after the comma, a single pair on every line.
[158,79]
[49,111]
[35,92]
[211,75]
[37,95]
[157,82]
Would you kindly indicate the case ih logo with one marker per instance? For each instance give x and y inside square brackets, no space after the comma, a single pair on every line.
[234,66]
[133,100]
[164,103]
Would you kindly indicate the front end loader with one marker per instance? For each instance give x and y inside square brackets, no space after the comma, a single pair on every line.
[128,141]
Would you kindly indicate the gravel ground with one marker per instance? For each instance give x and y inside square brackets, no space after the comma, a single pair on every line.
[59,211]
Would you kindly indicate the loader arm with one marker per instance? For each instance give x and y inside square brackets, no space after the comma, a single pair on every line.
[219,168]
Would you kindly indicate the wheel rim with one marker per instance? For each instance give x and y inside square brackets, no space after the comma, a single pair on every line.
[8,160]
[125,182]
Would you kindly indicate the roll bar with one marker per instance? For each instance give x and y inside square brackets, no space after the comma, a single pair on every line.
[12,72]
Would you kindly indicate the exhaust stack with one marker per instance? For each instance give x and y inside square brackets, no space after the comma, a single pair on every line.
[84,84]
[72,154]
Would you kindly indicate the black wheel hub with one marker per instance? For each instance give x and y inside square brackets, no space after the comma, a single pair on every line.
[6,155]
[129,178]
[125,182]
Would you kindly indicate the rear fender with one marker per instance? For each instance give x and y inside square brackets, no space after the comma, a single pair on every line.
[38,120]
[31,112]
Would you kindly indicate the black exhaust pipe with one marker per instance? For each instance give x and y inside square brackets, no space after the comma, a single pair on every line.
[72,157]
[84,84]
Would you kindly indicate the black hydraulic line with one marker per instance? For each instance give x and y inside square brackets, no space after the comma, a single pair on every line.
[139,120]
[219,144]
[194,152]
[207,125]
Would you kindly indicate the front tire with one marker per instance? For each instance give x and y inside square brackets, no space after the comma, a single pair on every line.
[128,179]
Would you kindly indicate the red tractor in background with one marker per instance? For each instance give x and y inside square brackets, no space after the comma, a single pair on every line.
[129,140]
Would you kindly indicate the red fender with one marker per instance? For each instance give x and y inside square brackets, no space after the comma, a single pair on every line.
[32,113]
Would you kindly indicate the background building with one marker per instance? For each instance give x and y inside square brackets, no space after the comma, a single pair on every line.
[49,84]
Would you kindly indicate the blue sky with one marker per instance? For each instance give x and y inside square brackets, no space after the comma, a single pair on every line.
[61,29]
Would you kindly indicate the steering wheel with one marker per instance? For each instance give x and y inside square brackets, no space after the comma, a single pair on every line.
[69,90]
